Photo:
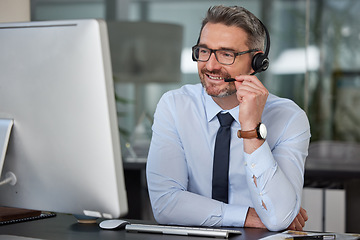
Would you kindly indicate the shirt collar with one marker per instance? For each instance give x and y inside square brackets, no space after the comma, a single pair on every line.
[212,109]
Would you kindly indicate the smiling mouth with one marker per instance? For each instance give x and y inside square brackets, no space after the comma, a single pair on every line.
[215,78]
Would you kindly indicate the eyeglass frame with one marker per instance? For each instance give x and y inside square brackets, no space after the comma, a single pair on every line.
[214,51]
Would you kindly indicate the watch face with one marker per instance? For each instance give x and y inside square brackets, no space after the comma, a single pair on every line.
[262,131]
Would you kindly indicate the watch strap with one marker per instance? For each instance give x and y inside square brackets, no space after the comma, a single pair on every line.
[247,134]
[255,133]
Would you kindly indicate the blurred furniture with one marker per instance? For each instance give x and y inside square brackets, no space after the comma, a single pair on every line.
[14,10]
[346,106]
[143,52]
[332,164]
[137,192]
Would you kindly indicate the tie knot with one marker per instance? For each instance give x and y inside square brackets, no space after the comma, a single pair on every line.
[225,119]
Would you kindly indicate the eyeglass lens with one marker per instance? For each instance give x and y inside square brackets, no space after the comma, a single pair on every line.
[223,56]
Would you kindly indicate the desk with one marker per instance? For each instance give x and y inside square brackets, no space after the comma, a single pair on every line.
[317,174]
[65,227]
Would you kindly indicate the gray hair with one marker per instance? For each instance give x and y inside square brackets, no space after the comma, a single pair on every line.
[241,18]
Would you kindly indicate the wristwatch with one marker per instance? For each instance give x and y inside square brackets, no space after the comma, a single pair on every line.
[259,132]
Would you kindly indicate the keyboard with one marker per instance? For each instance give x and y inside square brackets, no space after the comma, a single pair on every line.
[181,230]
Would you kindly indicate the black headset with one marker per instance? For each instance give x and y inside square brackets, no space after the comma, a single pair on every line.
[260,61]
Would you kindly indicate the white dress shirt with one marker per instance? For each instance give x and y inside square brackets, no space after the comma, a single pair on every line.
[180,163]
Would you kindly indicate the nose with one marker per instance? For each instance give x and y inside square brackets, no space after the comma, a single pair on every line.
[212,63]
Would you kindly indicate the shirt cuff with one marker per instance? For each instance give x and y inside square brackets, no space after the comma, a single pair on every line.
[260,160]
[234,215]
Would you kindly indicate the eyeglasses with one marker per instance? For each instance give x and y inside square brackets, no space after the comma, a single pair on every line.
[226,57]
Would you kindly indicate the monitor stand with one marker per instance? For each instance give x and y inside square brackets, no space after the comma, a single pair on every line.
[10,215]
[5,130]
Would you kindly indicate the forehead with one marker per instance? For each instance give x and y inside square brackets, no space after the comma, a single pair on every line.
[218,35]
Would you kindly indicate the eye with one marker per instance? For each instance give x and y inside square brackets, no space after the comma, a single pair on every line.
[226,54]
[203,51]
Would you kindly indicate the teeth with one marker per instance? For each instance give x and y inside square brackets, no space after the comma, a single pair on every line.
[216,78]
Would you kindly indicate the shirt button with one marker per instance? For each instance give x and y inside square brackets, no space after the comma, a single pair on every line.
[245,163]
[253,165]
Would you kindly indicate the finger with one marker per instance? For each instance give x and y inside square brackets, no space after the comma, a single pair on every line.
[304,214]
[248,78]
[248,96]
[292,226]
[250,89]
[254,88]
[251,94]
[251,86]
[298,226]
[301,220]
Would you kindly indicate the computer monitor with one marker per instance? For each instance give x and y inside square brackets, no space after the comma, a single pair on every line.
[56,84]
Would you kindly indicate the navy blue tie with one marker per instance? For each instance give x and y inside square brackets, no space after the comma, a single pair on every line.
[220,179]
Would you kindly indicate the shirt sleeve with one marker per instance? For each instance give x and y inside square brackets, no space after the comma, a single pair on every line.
[279,174]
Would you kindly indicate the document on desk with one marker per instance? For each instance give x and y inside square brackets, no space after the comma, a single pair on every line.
[300,235]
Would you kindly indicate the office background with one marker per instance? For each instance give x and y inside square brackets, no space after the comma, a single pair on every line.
[314,61]
[313,51]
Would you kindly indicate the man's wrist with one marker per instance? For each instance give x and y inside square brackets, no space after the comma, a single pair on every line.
[259,132]
[248,126]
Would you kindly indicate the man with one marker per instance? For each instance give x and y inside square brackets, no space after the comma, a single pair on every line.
[265,175]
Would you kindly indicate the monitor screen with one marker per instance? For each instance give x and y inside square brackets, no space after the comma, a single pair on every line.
[56,84]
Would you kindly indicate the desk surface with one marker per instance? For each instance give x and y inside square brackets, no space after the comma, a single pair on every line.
[66,227]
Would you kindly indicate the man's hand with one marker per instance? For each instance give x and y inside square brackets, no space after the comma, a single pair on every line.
[299,222]
[253,220]
[252,96]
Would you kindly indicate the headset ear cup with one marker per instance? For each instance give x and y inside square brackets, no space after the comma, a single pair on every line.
[193,57]
[265,64]
[256,62]
[193,53]
[259,62]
